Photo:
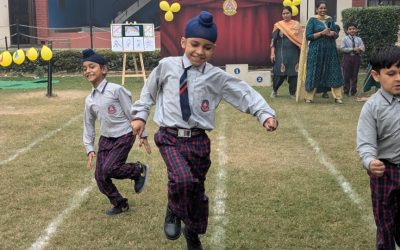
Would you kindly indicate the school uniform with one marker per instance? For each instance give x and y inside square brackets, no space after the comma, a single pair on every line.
[184,145]
[110,103]
[378,137]
[351,62]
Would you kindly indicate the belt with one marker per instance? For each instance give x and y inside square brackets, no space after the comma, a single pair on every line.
[183,132]
[391,163]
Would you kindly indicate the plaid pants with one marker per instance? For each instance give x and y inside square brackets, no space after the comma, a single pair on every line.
[111,163]
[187,160]
[385,193]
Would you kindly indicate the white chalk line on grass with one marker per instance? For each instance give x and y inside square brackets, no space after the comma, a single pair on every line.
[218,235]
[51,229]
[38,140]
[323,159]
[344,184]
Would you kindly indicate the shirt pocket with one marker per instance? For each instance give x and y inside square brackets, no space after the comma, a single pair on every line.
[204,102]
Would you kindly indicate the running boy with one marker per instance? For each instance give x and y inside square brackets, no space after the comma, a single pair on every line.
[378,144]
[187,91]
[111,104]
[351,46]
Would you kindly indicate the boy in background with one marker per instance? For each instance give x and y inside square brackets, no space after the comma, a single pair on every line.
[351,46]
[378,144]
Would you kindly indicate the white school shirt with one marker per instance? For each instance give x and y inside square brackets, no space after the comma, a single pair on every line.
[111,104]
[207,86]
[347,45]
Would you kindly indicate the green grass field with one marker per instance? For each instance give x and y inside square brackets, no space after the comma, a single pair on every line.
[301,187]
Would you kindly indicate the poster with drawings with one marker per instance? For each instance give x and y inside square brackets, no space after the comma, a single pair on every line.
[138,43]
[116,44]
[134,37]
[128,43]
[149,44]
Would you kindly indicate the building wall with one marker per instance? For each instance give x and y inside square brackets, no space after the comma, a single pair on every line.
[359,3]
[4,24]
[42,18]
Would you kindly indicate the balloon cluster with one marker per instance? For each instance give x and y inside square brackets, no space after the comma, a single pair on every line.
[18,57]
[169,10]
[293,5]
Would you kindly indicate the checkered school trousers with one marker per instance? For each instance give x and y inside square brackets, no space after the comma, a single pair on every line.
[385,193]
[111,163]
[187,160]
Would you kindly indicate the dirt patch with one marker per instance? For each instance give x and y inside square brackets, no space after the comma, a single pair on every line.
[59,95]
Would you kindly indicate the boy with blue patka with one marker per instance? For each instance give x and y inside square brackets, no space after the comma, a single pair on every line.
[187,91]
[111,104]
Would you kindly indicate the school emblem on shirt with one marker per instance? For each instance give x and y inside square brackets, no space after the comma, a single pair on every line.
[204,106]
[111,109]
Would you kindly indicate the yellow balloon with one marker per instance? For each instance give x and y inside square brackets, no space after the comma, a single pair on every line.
[287,2]
[5,59]
[296,2]
[175,7]
[164,5]
[46,53]
[295,10]
[19,56]
[169,16]
[32,54]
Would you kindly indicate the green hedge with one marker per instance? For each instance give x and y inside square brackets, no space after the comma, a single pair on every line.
[69,61]
[376,25]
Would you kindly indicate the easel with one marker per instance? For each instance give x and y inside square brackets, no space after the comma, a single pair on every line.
[141,73]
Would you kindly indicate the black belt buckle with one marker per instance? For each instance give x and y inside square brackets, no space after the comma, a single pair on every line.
[185,133]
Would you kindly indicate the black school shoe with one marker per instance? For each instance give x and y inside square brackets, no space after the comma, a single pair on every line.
[141,181]
[172,225]
[192,239]
[120,208]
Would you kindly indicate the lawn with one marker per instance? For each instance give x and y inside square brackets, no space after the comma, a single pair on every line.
[301,187]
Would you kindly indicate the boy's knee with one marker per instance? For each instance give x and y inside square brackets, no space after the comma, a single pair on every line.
[184,183]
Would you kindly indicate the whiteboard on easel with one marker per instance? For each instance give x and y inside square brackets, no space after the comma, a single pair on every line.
[133,37]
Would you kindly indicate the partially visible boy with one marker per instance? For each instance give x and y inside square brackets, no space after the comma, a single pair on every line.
[187,91]
[378,144]
[351,46]
[110,103]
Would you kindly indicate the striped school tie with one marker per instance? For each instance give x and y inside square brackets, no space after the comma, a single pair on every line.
[184,95]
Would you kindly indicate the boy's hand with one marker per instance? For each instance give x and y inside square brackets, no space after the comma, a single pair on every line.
[137,127]
[271,124]
[377,168]
[144,142]
[90,156]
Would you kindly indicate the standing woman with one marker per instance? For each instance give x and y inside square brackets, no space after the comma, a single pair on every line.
[323,65]
[285,51]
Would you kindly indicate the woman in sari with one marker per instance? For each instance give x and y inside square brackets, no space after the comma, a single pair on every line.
[323,66]
[285,51]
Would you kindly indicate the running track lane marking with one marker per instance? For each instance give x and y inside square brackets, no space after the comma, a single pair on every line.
[39,140]
[51,229]
[344,184]
[218,236]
